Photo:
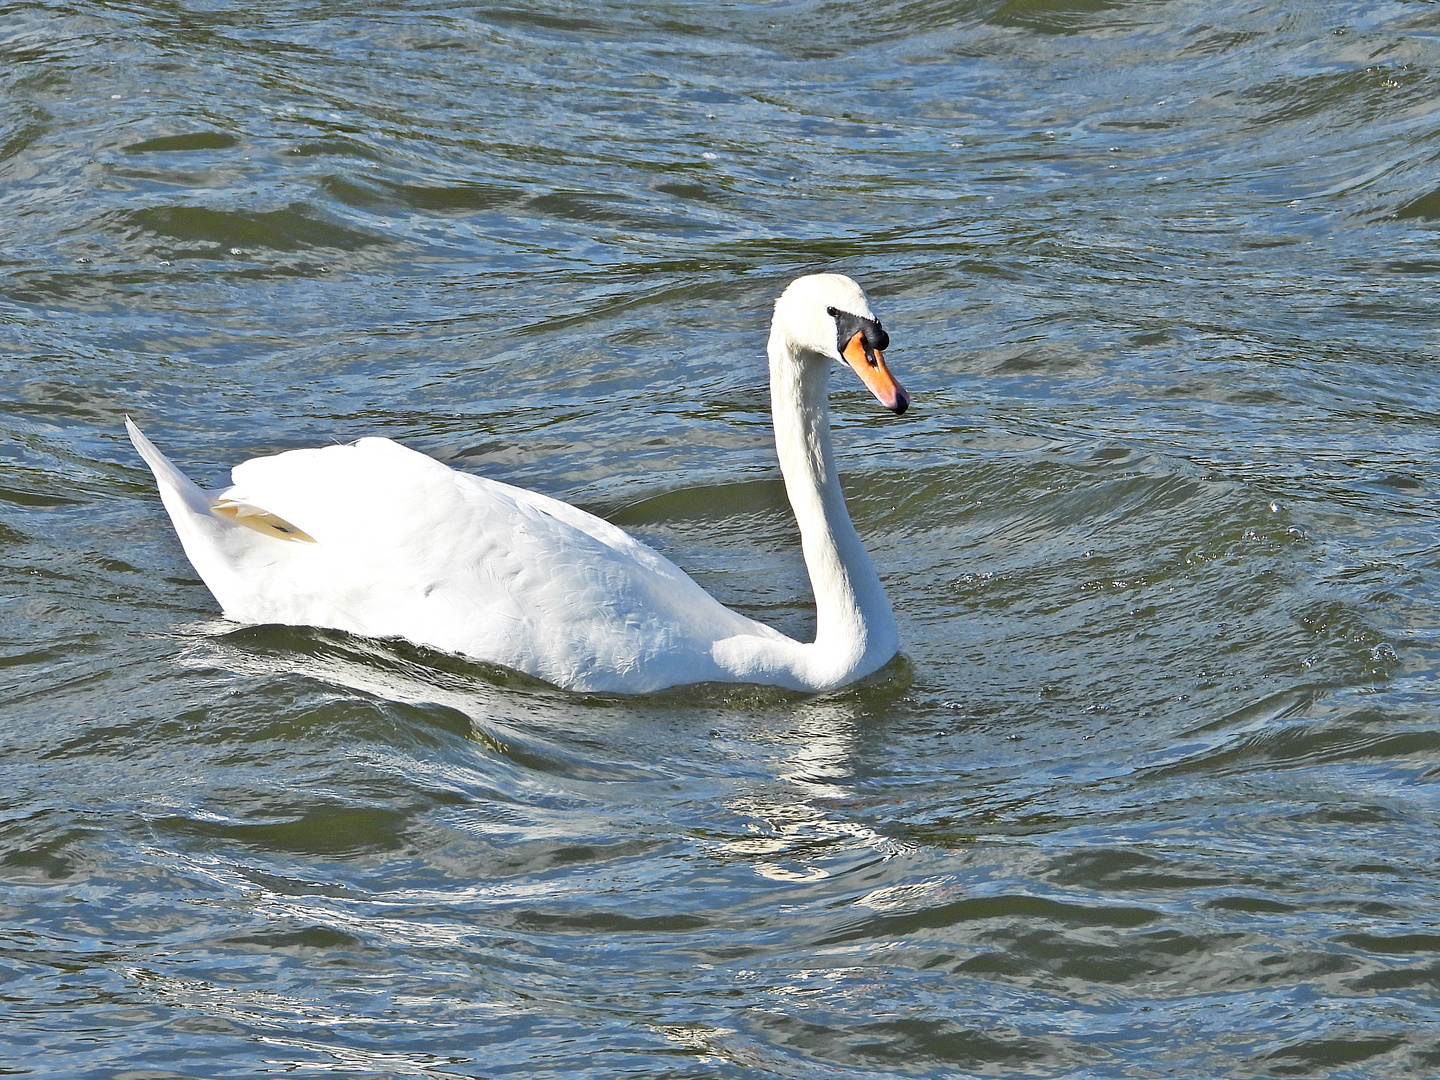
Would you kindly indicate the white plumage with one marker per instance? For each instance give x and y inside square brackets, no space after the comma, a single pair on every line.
[377,539]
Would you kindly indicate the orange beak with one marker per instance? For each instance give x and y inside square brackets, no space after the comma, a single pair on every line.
[869,364]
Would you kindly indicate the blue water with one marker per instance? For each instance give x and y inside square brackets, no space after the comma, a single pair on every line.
[1152,790]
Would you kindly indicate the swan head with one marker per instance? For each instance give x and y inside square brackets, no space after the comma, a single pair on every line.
[829,316]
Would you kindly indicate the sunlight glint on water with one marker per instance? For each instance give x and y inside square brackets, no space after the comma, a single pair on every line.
[1151,790]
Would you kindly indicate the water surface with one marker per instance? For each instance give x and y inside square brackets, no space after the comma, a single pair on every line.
[1152,790]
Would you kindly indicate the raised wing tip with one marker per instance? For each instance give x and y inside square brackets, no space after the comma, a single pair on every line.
[262,521]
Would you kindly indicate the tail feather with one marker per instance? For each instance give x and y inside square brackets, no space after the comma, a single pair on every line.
[170,479]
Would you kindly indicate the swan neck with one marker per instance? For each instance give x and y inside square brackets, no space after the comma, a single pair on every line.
[855,626]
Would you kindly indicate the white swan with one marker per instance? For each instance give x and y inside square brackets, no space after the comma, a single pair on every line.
[376,539]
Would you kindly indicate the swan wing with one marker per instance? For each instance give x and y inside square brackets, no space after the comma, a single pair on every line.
[377,539]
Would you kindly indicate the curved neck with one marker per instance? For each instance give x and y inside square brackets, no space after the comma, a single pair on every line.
[855,626]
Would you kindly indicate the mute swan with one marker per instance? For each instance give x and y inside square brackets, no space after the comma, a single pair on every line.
[376,539]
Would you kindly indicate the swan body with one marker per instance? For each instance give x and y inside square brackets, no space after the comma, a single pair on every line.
[376,539]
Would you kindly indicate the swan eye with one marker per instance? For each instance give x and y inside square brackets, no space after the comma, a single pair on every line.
[873,337]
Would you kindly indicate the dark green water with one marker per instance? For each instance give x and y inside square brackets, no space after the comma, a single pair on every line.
[1154,790]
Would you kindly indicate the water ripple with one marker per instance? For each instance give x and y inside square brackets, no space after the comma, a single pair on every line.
[1151,790]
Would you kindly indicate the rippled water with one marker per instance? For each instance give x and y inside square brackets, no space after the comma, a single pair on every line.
[1153,789]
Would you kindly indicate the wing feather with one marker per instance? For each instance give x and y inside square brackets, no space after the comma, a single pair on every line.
[404,546]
